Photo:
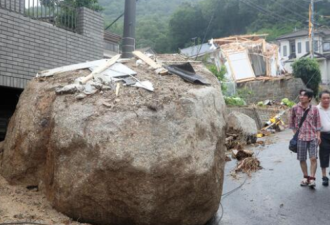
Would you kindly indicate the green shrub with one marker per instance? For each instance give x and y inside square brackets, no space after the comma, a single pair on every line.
[234,101]
[309,71]
[219,74]
[287,102]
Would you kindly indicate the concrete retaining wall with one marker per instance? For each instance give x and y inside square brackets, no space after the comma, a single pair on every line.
[273,90]
[28,46]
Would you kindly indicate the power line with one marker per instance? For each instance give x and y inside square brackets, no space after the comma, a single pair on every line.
[207,29]
[287,9]
[248,4]
[114,21]
[296,4]
[267,12]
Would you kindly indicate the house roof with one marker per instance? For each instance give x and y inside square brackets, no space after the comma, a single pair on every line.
[303,33]
[197,49]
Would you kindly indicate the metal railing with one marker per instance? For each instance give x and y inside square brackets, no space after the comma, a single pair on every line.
[55,12]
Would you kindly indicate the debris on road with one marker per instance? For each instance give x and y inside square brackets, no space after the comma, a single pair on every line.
[241,154]
[246,161]
[248,165]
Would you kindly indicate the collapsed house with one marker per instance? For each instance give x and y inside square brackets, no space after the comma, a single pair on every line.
[248,57]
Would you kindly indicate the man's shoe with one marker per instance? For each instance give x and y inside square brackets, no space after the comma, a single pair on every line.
[312,183]
[304,182]
[325,181]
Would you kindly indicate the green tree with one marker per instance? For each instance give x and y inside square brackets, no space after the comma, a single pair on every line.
[91,4]
[186,23]
[309,71]
[177,21]
[66,10]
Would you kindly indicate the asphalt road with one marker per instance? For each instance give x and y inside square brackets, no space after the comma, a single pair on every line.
[273,195]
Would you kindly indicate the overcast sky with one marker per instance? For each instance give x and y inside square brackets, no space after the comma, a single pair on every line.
[31,2]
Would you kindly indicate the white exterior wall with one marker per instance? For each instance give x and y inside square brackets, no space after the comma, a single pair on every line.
[327,81]
[323,69]
[320,40]
[288,67]
[303,41]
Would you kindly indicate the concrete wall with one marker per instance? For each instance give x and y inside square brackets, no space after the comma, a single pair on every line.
[272,90]
[28,46]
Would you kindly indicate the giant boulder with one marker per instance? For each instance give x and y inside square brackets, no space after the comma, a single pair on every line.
[143,158]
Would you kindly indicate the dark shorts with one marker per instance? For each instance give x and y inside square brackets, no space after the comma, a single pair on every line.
[325,150]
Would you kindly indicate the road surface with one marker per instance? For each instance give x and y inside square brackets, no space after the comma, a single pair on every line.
[273,195]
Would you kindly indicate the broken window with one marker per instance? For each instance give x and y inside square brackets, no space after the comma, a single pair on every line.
[299,47]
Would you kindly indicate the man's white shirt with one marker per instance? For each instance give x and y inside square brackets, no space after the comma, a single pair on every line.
[325,118]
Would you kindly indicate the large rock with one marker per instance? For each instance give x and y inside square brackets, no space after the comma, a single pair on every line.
[151,158]
[243,125]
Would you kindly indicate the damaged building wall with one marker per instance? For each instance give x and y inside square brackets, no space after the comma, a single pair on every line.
[271,89]
[249,56]
[28,45]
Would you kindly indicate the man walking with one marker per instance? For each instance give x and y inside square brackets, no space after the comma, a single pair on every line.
[309,134]
[324,111]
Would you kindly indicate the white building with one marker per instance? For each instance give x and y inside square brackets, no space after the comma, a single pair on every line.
[296,45]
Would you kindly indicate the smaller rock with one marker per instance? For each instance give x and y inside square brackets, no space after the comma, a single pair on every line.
[81,96]
[89,89]
[242,125]
[105,87]
[69,89]
[139,62]
[97,85]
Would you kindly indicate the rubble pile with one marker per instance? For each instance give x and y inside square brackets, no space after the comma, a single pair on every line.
[122,142]
[246,161]
[248,165]
[248,58]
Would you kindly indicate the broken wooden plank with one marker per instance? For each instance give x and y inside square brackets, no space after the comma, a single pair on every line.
[79,66]
[245,80]
[117,89]
[101,68]
[147,60]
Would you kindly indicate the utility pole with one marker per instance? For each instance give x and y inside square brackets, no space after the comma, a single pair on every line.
[129,29]
[312,28]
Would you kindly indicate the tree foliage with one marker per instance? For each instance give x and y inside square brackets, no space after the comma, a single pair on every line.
[91,4]
[308,70]
[172,24]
